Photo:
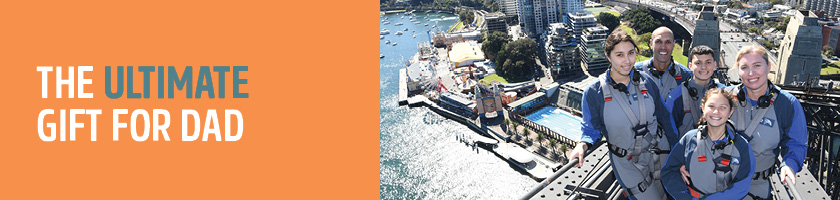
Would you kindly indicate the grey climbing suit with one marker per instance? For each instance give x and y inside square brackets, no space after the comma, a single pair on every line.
[718,159]
[760,127]
[691,105]
[631,138]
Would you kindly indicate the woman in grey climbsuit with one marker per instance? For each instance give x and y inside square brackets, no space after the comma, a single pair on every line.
[625,107]
[712,161]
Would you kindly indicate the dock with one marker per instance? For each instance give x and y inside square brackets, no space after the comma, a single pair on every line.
[403,90]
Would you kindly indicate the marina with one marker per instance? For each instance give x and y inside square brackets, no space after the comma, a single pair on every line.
[422,156]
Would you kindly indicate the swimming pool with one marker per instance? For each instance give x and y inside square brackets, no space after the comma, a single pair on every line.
[558,121]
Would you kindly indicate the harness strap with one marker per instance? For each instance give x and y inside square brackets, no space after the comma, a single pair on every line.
[689,104]
[763,174]
[639,188]
[753,196]
[755,121]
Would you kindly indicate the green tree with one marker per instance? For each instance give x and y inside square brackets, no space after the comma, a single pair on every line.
[641,20]
[776,2]
[501,57]
[466,16]
[494,42]
[643,38]
[494,7]
[520,58]
[540,138]
[609,20]
[563,148]
[526,132]
[553,144]
[753,29]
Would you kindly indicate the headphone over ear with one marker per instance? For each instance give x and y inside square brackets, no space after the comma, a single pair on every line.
[693,92]
[701,129]
[623,88]
[764,100]
[671,71]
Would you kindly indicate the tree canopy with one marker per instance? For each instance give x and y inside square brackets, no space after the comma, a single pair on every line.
[609,20]
[466,16]
[494,42]
[517,59]
[641,20]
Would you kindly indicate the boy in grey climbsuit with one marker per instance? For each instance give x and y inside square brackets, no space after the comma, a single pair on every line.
[684,101]
[712,147]
[626,107]
[771,119]
[666,73]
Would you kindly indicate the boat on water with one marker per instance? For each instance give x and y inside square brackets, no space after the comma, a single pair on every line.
[394,44]
[381,37]
[414,35]
[387,41]
[427,24]
[405,29]
[399,33]
[381,55]
[399,24]
[434,26]
[387,22]
[384,32]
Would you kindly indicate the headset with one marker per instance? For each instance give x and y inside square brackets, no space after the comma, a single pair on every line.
[693,92]
[671,70]
[623,88]
[764,101]
[720,145]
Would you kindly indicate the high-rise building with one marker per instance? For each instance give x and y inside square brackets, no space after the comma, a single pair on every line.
[536,15]
[570,6]
[561,52]
[830,7]
[509,7]
[495,22]
[799,54]
[591,50]
[580,21]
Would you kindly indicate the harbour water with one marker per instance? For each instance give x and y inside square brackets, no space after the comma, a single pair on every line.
[420,157]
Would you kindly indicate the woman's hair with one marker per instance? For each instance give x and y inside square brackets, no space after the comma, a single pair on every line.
[618,36]
[753,49]
[729,97]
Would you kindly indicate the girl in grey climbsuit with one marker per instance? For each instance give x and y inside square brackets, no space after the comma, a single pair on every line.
[624,105]
[712,161]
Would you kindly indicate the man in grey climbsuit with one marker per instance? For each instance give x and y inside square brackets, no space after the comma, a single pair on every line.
[712,147]
[770,118]
[630,102]
[684,101]
[666,73]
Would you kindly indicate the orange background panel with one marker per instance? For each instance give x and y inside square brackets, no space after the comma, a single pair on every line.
[309,125]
